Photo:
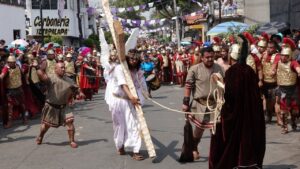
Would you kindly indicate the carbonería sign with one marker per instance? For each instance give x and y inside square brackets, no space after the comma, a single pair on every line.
[52,26]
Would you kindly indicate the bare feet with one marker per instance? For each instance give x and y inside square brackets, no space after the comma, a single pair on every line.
[73,144]
[121,151]
[39,140]
[196,155]
[137,157]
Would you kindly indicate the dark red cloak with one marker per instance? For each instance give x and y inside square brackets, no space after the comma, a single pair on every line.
[240,138]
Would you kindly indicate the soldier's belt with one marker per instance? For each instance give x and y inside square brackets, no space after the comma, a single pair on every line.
[57,106]
[203,101]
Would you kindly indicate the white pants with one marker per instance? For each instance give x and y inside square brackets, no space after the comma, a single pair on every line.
[125,125]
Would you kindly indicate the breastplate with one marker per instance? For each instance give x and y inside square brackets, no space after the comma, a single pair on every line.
[14,79]
[285,75]
[50,66]
[267,69]
[251,62]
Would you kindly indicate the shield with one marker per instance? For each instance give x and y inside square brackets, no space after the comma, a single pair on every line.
[273,27]
[225,27]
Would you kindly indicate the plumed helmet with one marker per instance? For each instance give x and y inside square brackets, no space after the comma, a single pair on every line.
[263,40]
[60,57]
[288,46]
[216,48]
[11,58]
[235,51]
[69,55]
[50,52]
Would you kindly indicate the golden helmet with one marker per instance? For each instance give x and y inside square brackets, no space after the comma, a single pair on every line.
[11,58]
[60,57]
[69,55]
[235,51]
[50,52]
[286,51]
[288,46]
[262,43]
[216,48]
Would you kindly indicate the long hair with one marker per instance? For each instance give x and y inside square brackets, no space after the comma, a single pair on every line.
[244,49]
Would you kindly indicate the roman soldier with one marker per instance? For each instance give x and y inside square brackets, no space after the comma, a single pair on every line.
[262,44]
[87,77]
[269,58]
[217,47]
[252,59]
[70,67]
[12,78]
[286,71]
[49,64]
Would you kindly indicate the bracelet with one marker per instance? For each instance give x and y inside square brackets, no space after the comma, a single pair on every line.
[186,101]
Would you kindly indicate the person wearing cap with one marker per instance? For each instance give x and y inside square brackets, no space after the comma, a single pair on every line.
[197,87]
[56,111]
[70,67]
[12,77]
[287,70]
[269,58]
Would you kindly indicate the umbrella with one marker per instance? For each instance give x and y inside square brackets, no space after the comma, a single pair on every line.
[224,27]
[19,42]
[55,45]
[273,27]
[185,43]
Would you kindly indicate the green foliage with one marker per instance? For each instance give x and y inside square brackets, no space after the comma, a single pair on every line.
[253,28]
[92,41]
[54,38]
[88,42]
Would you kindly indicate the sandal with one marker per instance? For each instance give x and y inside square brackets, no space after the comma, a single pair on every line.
[137,157]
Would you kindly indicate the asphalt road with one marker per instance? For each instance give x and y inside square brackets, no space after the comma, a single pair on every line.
[96,149]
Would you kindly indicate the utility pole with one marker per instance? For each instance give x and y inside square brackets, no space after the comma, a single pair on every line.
[42,20]
[79,23]
[177,24]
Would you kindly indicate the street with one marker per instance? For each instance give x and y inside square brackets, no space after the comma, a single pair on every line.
[94,134]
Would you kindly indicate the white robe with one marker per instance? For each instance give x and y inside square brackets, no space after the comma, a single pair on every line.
[125,122]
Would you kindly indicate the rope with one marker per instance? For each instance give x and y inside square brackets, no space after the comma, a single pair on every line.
[218,95]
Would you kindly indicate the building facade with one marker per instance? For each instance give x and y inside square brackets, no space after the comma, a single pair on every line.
[13,20]
[264,11]
[64,25]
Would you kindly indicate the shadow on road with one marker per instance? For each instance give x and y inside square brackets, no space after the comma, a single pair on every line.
[163,151]
[9,139]
[80,143]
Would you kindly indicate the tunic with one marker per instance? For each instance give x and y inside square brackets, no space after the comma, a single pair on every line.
[56,111]
[199,78]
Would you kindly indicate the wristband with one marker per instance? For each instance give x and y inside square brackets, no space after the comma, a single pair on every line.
[186,101]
